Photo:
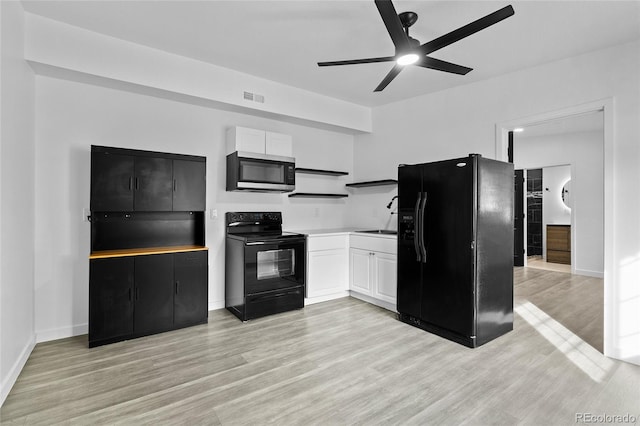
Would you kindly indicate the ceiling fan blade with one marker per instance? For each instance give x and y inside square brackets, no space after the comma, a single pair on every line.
[467,30]
[437,64]
[392,74]
[357,61]
[393,24]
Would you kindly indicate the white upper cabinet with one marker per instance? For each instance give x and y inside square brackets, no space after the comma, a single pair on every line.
[259,141]
[279,144]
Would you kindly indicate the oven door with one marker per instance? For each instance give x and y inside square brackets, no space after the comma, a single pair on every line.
[273,265]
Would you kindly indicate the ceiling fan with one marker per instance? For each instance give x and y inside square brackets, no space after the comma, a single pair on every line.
[408,49]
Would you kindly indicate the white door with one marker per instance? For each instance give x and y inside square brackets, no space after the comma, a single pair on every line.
[327,272]
[360,271]
[249,140]
[385,277]
[279,144]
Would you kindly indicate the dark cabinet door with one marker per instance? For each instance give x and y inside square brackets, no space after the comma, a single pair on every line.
[190,286]
[189,180]
[153,184]
[110,298]
[111,182]
[153,293]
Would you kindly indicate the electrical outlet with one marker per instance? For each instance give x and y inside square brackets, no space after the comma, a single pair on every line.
[213,213]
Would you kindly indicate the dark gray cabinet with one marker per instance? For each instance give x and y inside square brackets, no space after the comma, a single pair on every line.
[189,182]
[148,268]
[131,180]
[153,294]
[135,296]
[153,184]
[111,182]
[110,299]
[190,275]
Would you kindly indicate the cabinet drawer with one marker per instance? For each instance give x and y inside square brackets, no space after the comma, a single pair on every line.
[381,244]
[274,302]
[329,242]
[556,256]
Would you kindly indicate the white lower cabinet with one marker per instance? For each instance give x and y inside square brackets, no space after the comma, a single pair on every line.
[373,266]
[357,264]
[327,267]
[385,276]
[360,271]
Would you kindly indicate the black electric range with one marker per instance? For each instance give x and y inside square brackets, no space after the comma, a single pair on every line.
[265,268]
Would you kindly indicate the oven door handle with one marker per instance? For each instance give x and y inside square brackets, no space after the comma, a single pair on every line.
[262,243]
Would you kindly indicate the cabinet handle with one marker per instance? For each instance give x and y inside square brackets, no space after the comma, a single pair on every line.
[137,293]
[175,185]
[177,286]
[130,182]
[137,183]
[129,294]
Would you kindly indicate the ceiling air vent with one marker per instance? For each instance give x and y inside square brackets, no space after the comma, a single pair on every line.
[248,96]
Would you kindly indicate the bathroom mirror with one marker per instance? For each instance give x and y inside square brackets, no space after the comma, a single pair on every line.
[566,194]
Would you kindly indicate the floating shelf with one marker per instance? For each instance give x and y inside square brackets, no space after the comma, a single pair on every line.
[317,195]
[372,183]
[320,172]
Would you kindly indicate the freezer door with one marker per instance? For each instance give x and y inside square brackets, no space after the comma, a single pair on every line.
[409,290]
[448,268]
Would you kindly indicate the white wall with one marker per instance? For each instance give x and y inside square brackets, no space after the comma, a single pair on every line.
[461,120]
[51,44]
[16,199]
[72,116]
[554,211]
[584,151]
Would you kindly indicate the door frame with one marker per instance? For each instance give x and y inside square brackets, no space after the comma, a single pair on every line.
[607,107]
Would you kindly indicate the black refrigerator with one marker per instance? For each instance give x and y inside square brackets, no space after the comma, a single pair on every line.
[455,248]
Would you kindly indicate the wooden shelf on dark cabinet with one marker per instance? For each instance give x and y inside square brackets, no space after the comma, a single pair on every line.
[106,254]
[372,183]
[316,195]
[320,172]
[148,263]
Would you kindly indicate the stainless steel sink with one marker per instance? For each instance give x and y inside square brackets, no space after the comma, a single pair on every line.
[379,231]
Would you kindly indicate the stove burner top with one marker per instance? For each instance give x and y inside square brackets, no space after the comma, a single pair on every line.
[257,226]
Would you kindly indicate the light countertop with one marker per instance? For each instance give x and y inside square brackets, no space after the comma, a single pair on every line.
[339,231]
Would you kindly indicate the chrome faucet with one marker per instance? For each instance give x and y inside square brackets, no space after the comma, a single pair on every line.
[391,202]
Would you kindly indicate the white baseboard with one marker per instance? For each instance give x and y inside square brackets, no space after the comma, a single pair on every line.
[218,304]
[17,367]
[383,304]
[588,273]
[61,333]
[318,299]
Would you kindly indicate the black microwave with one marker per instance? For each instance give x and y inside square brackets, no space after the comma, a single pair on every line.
[249,171]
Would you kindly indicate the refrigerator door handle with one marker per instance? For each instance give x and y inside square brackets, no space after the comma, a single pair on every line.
[423,208]
[416,231]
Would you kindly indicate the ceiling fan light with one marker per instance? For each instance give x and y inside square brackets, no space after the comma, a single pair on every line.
[408,59]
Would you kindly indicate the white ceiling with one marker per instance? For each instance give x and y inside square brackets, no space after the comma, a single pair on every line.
[283,40]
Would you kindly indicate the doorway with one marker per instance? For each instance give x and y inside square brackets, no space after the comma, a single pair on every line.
[588,203]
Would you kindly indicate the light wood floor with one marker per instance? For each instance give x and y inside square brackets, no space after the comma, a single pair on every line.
[539,263]
[338,362]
